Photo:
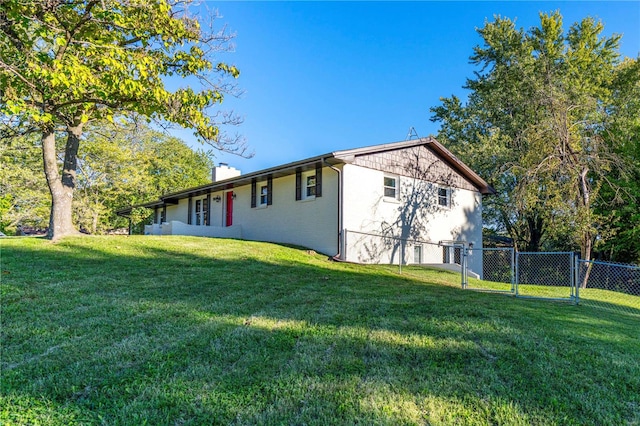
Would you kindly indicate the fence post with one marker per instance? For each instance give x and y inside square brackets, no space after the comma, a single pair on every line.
[512,270]
[572,276]
[401,256]
[463,268]
[516,272]
[576,260]
[344,243]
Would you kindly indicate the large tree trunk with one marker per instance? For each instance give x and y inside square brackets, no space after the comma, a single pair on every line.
[535,227]
[61,188]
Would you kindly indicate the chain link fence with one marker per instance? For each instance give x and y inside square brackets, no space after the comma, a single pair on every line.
[607,285]
[548,275]
[496,269]
[366,247]
[409,255]
[560,276]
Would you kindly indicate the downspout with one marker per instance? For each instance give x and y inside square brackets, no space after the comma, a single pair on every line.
[338,256]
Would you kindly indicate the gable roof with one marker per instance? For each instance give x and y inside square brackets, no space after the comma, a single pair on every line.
[436,147]
[332,158]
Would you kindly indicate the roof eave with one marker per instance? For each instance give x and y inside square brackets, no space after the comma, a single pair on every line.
[331,158]
[465,170]
[348,156]
[236,181]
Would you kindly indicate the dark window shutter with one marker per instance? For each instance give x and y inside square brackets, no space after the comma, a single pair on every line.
[155,214]
[269,190]
[318,179]
[298,184]
[253,192]
[189,210]
[164,214]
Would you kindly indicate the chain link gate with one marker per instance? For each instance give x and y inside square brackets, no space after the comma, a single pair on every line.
[539,275]
[545,275]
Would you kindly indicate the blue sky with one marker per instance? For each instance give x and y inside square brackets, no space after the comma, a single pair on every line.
[326,76]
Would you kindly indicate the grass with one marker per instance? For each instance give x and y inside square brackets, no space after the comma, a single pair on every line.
[183,330]
[604,299]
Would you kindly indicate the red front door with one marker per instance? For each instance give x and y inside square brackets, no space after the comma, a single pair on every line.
[229,214]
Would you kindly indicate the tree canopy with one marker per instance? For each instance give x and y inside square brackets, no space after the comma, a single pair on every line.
[118,165]
[538,126]
[66,64]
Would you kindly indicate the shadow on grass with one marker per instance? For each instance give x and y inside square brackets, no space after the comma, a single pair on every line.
[192,330]
[610,306]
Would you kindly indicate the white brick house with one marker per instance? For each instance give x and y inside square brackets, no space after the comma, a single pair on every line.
[377,204]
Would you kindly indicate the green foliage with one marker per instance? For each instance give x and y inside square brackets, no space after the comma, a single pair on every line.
[264,334]
[66,65]
[119,165]
[536,126]
[92,60]
[620,201]
[24,199]
[128,164]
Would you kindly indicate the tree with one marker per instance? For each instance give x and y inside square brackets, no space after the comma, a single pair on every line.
[64,64]
[534,126]
[128,164]
[620,200]
[23,195]
[118,164]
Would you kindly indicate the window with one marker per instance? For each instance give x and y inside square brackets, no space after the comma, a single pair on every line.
[205,211]
[417,254]
[457,255]
[310,186]
[444,197]
[309,183]
[264,194]
[452,254]
[198,211]
[390,187]
[202,211]
[263,197]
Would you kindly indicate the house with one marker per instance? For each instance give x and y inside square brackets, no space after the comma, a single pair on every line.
[410,202]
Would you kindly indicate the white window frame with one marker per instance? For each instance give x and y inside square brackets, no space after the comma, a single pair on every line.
[205,211]
[306,187]
[202,213]
[446,197]
[197,208]
[263,197]
[417,254]
[395,187]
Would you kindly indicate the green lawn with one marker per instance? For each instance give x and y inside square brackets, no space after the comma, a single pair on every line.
[182,330]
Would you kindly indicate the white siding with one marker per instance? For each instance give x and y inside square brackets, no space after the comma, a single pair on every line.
[415,215]
[176,211]
[311,223]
